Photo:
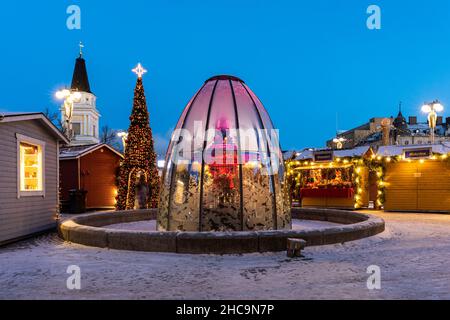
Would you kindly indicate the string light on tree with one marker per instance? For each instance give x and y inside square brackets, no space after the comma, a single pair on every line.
[139,163]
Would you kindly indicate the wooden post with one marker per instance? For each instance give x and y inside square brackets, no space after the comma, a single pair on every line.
[295,247]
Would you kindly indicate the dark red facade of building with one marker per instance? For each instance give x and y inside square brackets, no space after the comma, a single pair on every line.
[91,168]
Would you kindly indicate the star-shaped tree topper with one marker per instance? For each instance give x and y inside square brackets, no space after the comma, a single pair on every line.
[139,70]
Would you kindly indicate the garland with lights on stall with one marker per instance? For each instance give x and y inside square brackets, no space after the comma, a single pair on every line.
[374,164]
[139,163]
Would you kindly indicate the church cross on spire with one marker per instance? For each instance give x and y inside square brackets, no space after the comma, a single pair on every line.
[81,48]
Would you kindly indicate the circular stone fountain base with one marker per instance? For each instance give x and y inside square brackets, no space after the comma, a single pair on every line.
[93,230]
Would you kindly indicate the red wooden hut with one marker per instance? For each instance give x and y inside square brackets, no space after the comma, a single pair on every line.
[92,168]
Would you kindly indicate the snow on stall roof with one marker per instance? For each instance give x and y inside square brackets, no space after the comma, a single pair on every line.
[441,148]
[288,154]
[343,153]
[71,152]
[76,151]
[305,154]
[355,152]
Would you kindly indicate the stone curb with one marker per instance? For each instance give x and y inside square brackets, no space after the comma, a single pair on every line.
[88,230]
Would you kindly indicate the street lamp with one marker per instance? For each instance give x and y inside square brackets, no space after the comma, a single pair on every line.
[432,109]
[70,97]
[339,142]
[124,136]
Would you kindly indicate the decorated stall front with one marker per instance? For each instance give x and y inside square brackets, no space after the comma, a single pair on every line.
[417,178]
[334,178]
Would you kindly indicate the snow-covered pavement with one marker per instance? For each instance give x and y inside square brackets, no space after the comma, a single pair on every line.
[413,254]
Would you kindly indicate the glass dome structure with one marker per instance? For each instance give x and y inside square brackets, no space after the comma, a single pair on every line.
[224,169]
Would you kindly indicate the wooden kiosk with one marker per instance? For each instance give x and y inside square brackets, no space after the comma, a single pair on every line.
[331,178]
[417,178]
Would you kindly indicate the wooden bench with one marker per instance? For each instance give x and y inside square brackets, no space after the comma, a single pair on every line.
[295,247]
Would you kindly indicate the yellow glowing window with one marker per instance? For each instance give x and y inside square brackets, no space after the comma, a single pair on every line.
[31,168]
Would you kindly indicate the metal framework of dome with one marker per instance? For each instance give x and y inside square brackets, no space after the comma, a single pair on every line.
[231,181]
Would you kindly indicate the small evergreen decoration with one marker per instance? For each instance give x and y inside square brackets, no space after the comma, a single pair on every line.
[139,164]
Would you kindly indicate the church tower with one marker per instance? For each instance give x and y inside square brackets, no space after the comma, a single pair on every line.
[85,119]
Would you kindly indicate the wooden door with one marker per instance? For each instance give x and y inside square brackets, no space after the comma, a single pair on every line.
[401,186]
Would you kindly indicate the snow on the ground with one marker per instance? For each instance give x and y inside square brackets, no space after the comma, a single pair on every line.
[151,225]
[413,254]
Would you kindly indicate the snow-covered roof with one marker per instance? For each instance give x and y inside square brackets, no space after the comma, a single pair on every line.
[389,151]
[305,154]
[75,152]
[355,152]
[423,129]
[343,153]
[288,154]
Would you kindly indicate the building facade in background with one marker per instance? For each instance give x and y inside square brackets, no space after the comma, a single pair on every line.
[401,131]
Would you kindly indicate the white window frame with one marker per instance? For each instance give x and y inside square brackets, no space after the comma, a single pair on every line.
[35,142]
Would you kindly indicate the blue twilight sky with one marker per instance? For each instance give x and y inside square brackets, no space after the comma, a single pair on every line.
[306,60]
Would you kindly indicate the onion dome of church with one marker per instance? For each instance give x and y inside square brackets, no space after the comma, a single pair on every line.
[224,167]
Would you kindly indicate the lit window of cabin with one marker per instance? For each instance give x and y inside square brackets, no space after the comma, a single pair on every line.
[30,167]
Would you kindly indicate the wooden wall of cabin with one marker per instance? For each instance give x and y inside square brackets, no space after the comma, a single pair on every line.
[415,186]
[23,216]
[68,177]
[98,173]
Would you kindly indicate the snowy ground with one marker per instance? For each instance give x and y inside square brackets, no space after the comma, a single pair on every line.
[413,254]
[151,225]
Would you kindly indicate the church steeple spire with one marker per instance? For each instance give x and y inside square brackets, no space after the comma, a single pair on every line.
[85,119]
[400,121]
[80,79]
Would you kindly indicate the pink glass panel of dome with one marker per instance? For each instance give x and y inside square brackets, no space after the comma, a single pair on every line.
[224,178]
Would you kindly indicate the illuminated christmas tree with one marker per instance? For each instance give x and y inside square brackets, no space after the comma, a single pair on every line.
[138,175]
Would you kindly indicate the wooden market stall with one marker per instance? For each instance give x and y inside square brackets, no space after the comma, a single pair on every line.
[331,178]
[92,168]
[417,178]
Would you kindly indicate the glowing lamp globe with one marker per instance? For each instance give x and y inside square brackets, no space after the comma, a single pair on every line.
[224,169]
[438,107]
[426,108]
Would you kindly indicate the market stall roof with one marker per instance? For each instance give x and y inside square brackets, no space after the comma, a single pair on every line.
[343,153]
[389,151]
[75,152]
[356,152]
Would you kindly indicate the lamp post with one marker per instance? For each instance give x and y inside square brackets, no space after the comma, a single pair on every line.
[124,136]
[70,97]
[432,109]
[339,142]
